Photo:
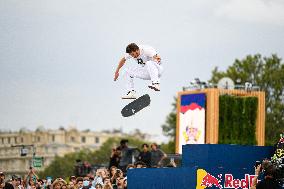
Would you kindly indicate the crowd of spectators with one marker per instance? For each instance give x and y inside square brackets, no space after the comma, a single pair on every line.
[112,177]
[121,157]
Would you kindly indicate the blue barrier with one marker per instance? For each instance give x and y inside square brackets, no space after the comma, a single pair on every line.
[228,165]
[223,155]
[159,178]
[187,178]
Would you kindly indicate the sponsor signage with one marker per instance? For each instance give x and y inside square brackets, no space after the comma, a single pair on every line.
[222,181]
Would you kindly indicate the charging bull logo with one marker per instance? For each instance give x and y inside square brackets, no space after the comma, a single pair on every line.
[207,180]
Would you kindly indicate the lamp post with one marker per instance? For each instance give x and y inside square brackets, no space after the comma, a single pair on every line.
[24,151]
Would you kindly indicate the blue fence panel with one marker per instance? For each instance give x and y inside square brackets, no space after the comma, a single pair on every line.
[218,166]
[223,155]
[161,178]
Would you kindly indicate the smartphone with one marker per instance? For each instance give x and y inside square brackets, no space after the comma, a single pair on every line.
[48,180]
[257,163]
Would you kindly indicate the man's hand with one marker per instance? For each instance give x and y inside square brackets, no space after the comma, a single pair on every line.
[157,58]
[116,74]
[120,64]
[257,170]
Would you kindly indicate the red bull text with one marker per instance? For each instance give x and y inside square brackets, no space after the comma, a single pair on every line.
[206,180]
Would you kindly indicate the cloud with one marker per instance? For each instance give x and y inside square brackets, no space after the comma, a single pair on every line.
[253,11]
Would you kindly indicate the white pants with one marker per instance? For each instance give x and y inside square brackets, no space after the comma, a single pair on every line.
[151,71]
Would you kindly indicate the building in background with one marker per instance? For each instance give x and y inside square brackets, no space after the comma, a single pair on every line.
[47,144]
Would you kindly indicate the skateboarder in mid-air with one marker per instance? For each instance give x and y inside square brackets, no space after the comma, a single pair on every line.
[148,68]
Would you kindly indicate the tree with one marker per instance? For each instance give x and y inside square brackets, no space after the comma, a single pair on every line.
[103,154]
[64,166]
[268,74]
[169,129]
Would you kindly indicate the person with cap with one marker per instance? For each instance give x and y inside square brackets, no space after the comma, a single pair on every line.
[56,184]
[72,179]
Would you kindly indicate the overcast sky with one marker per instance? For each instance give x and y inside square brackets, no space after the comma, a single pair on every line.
[57,58]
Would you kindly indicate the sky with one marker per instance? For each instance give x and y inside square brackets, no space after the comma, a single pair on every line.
[58,58]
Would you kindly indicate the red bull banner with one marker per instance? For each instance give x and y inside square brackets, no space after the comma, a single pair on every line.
[222,181]
[191,120]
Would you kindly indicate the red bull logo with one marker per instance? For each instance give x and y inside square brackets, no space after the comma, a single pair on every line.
[206,180]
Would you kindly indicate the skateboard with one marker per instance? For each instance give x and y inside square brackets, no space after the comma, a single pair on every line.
[136,105]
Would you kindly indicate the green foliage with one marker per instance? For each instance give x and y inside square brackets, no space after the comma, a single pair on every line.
[169,129]
[103,154]
[169,147]
[268,73]
[64,166]
[237,120]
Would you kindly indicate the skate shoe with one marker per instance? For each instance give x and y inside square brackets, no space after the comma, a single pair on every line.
[155,86]
[130,95]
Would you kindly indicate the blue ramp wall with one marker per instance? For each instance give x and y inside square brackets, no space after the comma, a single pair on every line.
[185,177]
[216,160]
[223,155]
[161,178]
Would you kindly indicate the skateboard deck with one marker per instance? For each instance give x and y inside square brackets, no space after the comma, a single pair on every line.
[136,105]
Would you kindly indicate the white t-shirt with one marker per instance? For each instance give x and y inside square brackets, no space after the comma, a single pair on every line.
[146,54]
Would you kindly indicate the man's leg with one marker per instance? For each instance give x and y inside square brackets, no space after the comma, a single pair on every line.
[138,72]
[129,79]
[155,71]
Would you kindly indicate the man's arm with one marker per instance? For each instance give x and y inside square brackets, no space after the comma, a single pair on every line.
[151,52]
[120,64]
[254,180]
[163,155]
